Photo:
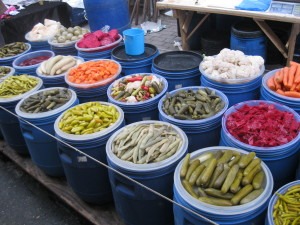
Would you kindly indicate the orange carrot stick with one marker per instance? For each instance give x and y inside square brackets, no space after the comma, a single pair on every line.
[293,94]
[271,83]
[281,92]
[285,76]
[291,76]
[279,76]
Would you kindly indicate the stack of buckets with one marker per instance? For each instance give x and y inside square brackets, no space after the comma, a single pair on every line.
[267,94]
[282,160]
[9,124]
[201,133]
[32,68]
[42,147]
[134,204]
[88,179]
[7,61]
[139,111]
[180,68]
[247,214]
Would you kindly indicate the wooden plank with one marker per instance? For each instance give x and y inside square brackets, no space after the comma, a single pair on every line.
[202,7]
[292,42]
[198,25]
[187,21]
[98,215]
[272,36]
[181,18]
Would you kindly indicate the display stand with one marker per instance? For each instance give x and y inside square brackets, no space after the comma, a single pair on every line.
[98,215]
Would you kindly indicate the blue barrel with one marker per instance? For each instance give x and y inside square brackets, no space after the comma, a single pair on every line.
[235,92]
[113,13]
[57,80]
[93,92]
[43,148]
[7,61]
[88,179]
[203,132]
[180,68]
[282,160]
[9,124]
[139,111]
[274,199]
[246,214]
[64,50]
[247,37]
[132,64]
[30,69]
[145,208]
[95,55]
[267,94]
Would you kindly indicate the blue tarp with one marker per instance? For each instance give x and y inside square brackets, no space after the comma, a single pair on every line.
[254,5]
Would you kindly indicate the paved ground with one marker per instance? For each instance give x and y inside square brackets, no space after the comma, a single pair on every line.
[23,201]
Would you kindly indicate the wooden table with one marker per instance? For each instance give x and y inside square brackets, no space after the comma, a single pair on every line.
[184,10]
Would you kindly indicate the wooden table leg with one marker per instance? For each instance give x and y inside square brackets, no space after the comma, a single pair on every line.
[292,42]
[137,12]
[181,15]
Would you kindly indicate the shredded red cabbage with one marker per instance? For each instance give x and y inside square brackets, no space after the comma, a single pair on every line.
[262,125]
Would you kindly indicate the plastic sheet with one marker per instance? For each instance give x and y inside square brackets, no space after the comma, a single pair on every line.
[254,5]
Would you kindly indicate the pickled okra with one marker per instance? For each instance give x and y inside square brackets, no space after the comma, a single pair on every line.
[12,49]
[217,178]
[193,104]
[16,85]
[147,143]
[88,118]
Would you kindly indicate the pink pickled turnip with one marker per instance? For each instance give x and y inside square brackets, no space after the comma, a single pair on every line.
[106,41]
[114,34]
[262,125]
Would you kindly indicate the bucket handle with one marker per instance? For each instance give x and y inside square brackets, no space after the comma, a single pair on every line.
[127,189]
[64,157]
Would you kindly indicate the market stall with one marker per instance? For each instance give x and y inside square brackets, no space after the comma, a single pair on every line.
[185,10]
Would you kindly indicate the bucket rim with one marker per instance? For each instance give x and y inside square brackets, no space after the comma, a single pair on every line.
[151,167]
[273,93]
[223,210]
[136,104]
[11,58]
[21,57]
[86,137]
[96,84]
[11,73]
[58,76]
[194,122]
[49,113]
[18,97]
[257,148]
[274,199]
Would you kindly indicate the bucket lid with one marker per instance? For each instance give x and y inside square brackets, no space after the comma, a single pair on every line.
[177,61]
[119,53]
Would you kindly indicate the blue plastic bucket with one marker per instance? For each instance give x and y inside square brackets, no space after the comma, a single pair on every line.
[96,91]
[57,80]
[267,94]
[43,148]
[66,50]
[180,68]
[282,160]
[134,41]
[135,64]
[247,214]
[139,111]
[247,37]
[235,93]
[273,200]
[9,124]
[95,55]
[145,207]
[39,45]
[201,133]
[88,179]
[113,13]
[30,69]
[7,61]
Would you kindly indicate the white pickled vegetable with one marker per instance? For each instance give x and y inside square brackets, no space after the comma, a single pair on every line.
[232,64]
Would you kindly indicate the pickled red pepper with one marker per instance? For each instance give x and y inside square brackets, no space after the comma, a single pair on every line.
[262,125]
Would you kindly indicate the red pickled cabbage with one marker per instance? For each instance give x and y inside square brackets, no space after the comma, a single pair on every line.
[98,38]
[262,125]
